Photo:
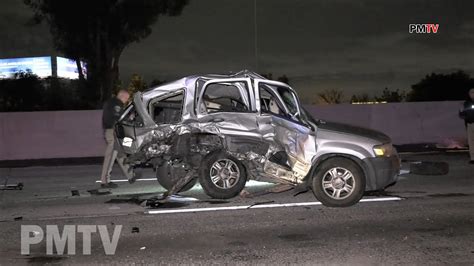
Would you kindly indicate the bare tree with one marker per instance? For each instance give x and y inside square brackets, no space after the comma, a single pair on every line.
[331,96]
[360,98]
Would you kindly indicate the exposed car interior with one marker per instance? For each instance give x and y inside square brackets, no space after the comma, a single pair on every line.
[168,110]
[131,117]
[269,103]
[224,97]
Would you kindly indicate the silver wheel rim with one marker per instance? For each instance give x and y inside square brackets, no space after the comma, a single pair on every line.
[338,183]
[224,173]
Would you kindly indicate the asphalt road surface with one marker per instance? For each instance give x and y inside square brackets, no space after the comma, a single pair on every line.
[421,220]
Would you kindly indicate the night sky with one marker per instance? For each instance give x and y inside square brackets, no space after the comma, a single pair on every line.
[356,46]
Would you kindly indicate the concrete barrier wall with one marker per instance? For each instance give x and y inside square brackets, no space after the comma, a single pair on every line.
[405,123]
[70,134]
[61,134]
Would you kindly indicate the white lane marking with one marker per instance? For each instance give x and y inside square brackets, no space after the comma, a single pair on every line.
[126,180]
[250,183]
[261,206]
[404,172]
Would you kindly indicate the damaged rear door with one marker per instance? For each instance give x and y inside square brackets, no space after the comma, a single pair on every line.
[126,129]
[140,119]
[280,122]
[226,107]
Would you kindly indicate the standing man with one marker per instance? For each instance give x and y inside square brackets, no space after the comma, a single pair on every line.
[113,109]
[467,113]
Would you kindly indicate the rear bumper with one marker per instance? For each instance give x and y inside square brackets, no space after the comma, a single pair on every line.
[381,172]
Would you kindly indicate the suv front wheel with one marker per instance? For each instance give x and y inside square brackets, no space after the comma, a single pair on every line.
[338,182]
[222,176]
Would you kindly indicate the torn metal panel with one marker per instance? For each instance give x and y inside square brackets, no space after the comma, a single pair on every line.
[141,110]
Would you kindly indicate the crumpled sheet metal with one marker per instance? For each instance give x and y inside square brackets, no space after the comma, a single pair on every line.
[157,142]
[300,149]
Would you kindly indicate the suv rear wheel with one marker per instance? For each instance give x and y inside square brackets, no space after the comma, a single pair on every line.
[338,182]
[222,176]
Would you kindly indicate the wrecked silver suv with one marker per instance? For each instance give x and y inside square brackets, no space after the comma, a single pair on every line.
[226,129]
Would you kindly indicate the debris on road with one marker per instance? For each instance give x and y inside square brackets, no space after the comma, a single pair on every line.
[300,190]
[98,192]
[429,168]
[18,186]
[135,230]
[167,201]
[280,188]
[160,203]
[275,189]
[261,203]
[244,193]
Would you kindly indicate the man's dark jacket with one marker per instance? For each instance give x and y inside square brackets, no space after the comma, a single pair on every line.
[112,111]
[467,113]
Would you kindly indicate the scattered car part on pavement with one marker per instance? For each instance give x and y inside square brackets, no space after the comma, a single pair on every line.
[98,192]
[75,192]
[429,168]
[17,186]
[7,186]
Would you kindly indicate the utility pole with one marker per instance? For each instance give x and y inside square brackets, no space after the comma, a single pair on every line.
[256,34]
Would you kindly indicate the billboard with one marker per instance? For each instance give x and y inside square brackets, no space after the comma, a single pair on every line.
[67,68]
[40,66]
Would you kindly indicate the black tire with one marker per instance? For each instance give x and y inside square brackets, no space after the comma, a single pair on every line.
[167,179]
[353,182]
[236,177]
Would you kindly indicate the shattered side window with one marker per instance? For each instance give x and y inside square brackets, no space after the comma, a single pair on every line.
[199,85]
[226,97]
[167,110]
[269,103]
[290,101]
